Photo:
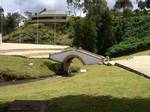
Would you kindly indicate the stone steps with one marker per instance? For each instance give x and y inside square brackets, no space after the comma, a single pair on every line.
[30,50]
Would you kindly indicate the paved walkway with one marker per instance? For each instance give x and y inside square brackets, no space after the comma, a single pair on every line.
[30,50]
[137,64]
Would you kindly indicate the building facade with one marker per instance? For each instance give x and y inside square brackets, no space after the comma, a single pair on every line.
[54,19]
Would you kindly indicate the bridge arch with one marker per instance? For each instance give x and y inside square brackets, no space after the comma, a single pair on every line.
[68,60]
[86,57]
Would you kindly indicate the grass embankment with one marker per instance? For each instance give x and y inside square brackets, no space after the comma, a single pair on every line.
[142,53]
[45,35]
[101,89]
[18,68]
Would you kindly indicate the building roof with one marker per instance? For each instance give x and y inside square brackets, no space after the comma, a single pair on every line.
[53,13]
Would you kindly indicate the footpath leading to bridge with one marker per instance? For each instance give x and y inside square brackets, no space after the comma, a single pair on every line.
[137,64]
[30,50]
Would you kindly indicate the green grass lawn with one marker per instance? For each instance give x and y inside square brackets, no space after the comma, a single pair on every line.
[17,68]
[147,52]
[101,89]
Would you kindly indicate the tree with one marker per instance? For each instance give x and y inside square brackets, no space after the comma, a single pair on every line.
[74,6]
[142,5]
[12,22]
[105,34]
[87,6]
[125,5]
[1,19]
[148,4]
[94,33]
[86,35]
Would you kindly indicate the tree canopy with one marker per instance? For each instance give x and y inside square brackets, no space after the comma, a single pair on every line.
[125,5]
[94,32]
[142,5]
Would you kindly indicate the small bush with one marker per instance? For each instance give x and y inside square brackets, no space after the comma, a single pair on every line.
[128,46]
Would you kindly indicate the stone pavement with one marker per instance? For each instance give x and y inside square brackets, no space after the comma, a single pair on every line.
[137,64]
[30,50]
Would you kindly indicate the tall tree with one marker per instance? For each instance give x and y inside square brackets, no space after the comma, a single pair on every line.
[105,34]
[12,22]
[74,6]
[1,19]
[86,35]
[125,5]
[142,5]
[94,33]
[148,4]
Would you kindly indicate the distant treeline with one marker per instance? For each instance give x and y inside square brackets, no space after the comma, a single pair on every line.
[115,32]
[130,35]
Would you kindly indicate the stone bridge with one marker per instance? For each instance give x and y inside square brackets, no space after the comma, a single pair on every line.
[86,57]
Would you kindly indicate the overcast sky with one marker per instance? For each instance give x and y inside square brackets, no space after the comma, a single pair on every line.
[37,5]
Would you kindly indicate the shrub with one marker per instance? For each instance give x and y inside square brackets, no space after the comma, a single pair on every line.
[129,46]
[131,35]
[138,26]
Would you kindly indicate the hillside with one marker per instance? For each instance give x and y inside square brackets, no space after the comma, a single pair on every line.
[142,53]
[46,35]
[130,35]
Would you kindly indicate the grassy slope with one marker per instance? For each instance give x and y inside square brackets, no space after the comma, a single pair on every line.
[147,52]
[45,35]
[101,89]
[18,67]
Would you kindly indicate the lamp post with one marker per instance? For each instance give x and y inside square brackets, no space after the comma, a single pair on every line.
[37,38]
[1,13]
[55,28]
[55,24]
